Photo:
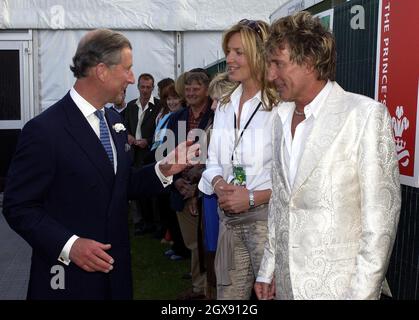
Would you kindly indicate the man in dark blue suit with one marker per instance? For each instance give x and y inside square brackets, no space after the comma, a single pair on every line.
[71,176]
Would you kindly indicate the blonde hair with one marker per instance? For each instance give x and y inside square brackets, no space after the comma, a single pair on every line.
[253,34]
[180,85]
[221,85]
[308,42]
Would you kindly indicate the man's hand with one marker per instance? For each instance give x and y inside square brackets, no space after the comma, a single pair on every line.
[186,154]
[190,191]
[192,206]
[142,143]
[90,255]
[131,140]
[194,174]
[265,291]
[233,199]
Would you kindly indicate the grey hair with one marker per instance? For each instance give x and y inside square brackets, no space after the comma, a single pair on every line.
[98,46]
[199,77]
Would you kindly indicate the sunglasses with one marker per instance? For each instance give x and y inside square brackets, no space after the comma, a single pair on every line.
[252,24]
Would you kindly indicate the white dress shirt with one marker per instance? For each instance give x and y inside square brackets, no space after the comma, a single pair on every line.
[141,113]
[253,152]
[88,111]
[294,147]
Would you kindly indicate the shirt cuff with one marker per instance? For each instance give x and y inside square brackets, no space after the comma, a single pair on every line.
[65,253]
[165,181]
[205,184]
[205,187]
[263,279]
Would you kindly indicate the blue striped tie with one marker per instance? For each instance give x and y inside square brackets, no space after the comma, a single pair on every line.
[104,135]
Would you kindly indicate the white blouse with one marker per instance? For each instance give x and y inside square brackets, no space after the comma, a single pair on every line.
[253,152]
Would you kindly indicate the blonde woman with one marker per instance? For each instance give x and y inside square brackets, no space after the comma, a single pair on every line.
[239,161]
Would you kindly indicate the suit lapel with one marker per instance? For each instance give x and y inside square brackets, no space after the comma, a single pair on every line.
[83,134]
[325,128]
[148,113]
[133,118]
[281,154]
[280,145]
[118,139]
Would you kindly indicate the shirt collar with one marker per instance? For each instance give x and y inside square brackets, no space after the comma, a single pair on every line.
[85,107]
[237,93]
[151,100]
[313,108]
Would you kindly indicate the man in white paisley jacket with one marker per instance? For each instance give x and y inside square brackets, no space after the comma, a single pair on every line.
[335,200]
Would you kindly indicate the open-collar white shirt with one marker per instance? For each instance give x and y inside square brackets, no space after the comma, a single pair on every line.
[141,113]
[294,147]
[253,152]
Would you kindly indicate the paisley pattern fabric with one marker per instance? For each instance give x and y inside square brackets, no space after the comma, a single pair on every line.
[331,234]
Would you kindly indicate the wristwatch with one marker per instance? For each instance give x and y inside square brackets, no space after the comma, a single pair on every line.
[251,199]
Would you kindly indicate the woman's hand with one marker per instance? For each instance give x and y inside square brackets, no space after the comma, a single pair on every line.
[233,199]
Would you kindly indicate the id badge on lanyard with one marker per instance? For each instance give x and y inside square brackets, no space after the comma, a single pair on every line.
[239,176]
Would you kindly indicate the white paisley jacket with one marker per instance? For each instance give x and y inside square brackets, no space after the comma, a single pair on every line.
[331,234]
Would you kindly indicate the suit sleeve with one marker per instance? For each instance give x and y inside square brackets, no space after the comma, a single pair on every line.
[172,126]
[144,181]
[29,181]
[267,265]
[213,163]
[380,203]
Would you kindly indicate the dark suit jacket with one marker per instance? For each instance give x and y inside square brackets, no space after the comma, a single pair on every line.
[61,183]
[176,199]
[121,113]
[148,126]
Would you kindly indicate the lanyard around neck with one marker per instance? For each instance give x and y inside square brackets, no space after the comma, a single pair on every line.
[237,140]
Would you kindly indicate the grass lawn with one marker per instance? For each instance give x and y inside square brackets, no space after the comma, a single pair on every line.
[155,276]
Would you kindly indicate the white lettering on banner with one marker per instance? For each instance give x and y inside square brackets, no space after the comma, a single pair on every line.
[385,56]
[400,124]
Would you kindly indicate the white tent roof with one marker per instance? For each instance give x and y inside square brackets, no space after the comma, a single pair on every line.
[164,15]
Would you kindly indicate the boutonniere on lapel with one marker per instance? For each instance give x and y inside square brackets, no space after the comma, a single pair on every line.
[118,127]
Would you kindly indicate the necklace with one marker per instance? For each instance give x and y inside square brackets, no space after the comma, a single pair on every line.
[298,113]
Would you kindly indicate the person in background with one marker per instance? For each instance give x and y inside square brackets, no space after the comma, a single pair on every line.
[190,122]
[163,84]
[219,86]
[239,160]
[120,107]
[336,196]
[140,120]
[171,103]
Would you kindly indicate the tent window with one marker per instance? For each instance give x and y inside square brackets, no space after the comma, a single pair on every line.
[9,85]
